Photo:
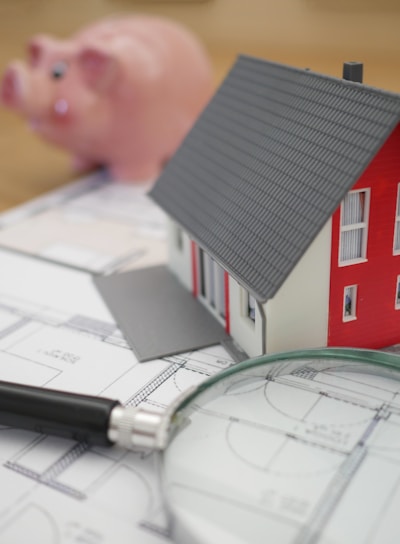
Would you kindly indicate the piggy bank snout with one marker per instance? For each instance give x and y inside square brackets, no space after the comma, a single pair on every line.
[11,88]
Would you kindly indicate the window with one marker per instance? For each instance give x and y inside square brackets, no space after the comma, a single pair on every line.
[212,283]
[178,237]
[248,306]
[397,302]
[354,227]
[349,303]
[396,243]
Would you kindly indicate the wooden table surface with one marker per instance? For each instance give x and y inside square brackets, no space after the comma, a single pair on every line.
[30,167]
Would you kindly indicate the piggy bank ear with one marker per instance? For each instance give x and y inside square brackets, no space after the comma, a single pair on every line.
[37,47]
[99,68]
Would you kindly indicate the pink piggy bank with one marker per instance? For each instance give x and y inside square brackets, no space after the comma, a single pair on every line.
[122,93]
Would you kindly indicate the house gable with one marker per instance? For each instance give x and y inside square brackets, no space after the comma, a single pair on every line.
[268,162]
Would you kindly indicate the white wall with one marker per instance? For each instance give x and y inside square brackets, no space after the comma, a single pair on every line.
[179,261]
[246,333]
[297,317]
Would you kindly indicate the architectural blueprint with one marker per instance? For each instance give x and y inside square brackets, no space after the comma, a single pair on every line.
[310,456]
[56,332]
[328,454]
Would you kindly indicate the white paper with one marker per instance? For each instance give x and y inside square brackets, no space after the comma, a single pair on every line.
[328,439]
[56,332]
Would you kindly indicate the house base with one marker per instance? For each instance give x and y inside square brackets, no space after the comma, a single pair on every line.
[157,315]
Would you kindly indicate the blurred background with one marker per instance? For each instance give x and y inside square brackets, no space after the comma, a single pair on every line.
[318,34]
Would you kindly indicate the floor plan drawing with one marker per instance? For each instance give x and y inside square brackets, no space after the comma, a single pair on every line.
[314,455]
[49,340]
[318,451]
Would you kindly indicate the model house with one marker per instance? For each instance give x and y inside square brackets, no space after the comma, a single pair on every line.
[284,207]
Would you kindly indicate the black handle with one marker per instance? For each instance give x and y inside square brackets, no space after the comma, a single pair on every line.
[83,418]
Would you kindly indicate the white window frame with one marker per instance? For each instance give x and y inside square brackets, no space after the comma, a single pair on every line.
[396,236]
[397,295]
[352,290]
[211,285]
[248,307]
[363,225]
[178,237]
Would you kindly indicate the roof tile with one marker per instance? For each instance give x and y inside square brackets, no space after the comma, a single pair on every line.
[268,162]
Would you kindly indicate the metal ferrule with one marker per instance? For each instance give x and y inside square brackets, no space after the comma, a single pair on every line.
[135,427]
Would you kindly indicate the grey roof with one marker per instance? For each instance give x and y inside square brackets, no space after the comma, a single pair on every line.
[268,162]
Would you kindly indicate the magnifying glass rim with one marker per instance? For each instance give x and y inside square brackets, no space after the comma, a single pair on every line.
[378,360]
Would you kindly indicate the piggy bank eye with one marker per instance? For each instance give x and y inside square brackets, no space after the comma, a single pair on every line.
[59,69]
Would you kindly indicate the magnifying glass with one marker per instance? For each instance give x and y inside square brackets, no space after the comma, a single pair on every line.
[297,447]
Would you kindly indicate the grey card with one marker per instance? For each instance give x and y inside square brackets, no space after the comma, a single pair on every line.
[157,315]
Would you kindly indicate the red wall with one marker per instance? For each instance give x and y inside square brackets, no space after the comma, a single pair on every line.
[377,323]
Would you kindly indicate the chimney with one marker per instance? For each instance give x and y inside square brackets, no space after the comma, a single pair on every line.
[353,71]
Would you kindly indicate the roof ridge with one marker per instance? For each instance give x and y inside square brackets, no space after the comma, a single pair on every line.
[362,87]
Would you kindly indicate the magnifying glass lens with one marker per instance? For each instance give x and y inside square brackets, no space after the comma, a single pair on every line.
[293,449]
